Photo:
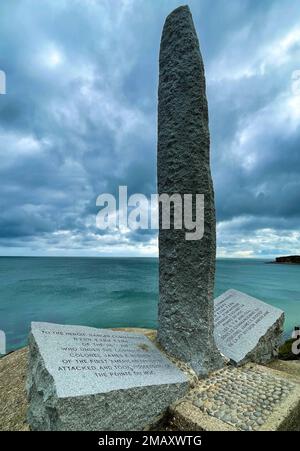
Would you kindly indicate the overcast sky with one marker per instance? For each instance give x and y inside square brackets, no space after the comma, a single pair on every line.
[79,119]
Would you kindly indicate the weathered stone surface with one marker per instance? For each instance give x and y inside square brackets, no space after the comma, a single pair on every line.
[186,268]
[82,378]
[248,398]
[247,329]
[13,400]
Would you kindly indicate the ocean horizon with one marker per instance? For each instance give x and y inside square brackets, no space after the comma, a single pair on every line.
[121,291]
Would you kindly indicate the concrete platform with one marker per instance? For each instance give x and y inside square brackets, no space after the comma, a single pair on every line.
[280,413]
[249,398]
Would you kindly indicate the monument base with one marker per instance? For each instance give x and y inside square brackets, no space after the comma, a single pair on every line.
[248,398]
[185,415]
[201,362]
[204,366]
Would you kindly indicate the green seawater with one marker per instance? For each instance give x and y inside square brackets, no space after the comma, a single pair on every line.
[112,292]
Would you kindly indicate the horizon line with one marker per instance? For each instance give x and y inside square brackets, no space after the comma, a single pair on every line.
[129,256]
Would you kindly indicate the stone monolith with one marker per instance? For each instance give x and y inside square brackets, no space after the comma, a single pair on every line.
[186,267]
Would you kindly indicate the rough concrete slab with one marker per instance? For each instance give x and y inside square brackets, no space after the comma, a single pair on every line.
[252,397]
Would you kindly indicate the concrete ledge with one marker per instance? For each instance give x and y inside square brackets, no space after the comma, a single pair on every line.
[291,367]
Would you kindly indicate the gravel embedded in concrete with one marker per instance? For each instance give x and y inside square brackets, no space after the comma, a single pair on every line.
[242,397]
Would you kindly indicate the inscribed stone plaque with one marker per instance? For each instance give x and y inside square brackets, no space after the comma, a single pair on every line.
[121,377]
[246,328]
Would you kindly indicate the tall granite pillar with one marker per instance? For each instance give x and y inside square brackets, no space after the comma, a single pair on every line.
[186,268]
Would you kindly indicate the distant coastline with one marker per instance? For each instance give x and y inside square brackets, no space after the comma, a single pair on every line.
[287,260]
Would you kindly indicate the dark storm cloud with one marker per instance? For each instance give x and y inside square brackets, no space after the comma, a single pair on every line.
[79,119]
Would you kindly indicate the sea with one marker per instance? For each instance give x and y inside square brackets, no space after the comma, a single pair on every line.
[114,292]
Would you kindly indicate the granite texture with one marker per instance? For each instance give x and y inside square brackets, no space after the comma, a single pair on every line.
[117,381]
[247,329]
[186,268]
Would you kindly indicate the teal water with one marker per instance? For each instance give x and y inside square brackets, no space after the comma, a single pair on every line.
[112,292]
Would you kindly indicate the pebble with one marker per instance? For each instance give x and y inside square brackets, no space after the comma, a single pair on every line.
[198,403]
